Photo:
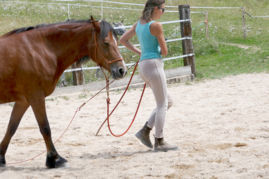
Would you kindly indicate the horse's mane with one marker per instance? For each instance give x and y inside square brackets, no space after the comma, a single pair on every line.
[105,27]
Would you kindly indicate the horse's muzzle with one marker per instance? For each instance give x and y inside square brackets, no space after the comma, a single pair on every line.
[118,71]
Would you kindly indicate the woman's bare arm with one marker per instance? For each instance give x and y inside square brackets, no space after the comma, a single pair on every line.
[156,29]
[124,40]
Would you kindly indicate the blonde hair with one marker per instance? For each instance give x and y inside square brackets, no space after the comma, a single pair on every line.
[149,7]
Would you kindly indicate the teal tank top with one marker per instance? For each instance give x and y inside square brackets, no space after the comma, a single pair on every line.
[150,47]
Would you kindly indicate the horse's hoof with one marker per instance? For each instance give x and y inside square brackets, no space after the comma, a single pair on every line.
[2,161]
[60,162]
[55,162]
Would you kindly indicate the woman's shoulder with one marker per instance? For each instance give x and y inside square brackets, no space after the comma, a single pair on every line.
[156,27]
[156,24]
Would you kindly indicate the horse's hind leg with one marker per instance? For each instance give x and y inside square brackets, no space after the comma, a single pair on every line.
[53,158]
[15,118]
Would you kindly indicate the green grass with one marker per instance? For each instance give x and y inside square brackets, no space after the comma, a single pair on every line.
[231,61]
[213,58]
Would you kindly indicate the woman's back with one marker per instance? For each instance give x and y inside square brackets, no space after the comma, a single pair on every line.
[149,43]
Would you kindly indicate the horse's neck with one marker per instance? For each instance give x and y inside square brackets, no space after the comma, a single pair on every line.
[69,45]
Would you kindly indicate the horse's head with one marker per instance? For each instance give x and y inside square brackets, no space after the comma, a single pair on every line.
[106,51]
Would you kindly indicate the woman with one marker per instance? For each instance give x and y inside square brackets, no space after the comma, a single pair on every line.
[153,46]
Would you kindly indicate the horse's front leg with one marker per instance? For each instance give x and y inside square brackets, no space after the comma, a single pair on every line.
[18,110]
[53,158]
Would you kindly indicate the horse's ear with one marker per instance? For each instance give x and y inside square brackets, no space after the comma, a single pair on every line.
[95,25]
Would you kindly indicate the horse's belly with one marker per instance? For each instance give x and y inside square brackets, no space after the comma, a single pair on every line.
[8,92]
[6,99]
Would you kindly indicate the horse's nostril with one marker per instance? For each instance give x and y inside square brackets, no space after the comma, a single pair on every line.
[121,71]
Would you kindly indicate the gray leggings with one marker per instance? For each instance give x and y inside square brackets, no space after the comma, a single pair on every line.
[152,72]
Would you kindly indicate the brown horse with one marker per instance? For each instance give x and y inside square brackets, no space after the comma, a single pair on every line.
[32,59]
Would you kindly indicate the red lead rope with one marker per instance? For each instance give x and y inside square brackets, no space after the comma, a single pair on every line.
[108,115]
[108,102]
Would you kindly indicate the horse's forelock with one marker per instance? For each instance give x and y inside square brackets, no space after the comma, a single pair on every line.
[106,28]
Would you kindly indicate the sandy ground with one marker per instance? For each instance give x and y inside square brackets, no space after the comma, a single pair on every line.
[220,126]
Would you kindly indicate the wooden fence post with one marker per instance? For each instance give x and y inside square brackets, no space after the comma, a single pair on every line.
[78,78]
[186,31]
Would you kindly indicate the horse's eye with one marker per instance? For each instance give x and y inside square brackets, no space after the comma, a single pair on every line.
[106,44]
